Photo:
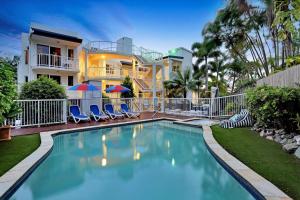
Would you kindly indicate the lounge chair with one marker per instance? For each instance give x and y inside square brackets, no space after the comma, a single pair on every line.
[125,110]
[243,119]
[109,110]
[76,115]
[97,114]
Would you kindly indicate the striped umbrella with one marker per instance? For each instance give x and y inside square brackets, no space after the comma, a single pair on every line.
[84,87]
[117,88]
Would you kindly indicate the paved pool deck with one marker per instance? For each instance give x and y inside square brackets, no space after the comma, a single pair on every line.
[72,125]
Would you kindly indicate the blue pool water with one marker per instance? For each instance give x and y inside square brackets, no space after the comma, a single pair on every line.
[151,161]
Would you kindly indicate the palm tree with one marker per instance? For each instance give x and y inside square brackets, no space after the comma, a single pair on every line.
[182,82]
[203,51]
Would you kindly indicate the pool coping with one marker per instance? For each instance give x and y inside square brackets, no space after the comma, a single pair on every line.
[13,178]
[258,185]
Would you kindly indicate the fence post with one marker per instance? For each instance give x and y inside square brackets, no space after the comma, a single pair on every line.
[38,113]
[210,108]
[65,112]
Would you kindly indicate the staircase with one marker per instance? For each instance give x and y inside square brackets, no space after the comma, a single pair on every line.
[142,84]
[141,59]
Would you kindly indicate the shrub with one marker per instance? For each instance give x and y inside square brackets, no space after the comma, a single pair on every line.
[42,88]
[8,92]
[128,84]
[274,107]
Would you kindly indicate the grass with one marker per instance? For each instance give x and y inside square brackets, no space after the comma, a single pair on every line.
[15,150]
[263,156]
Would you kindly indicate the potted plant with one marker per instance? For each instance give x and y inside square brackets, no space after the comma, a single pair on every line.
[8,93]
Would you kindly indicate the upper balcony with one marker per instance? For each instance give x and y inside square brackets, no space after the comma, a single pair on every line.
[108,73]
[146,56]
[55,62]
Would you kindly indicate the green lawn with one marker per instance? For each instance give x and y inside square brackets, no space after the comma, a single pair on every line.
[263,156]
[15,150]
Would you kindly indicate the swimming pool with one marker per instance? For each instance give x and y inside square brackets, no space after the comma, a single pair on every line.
[153,160]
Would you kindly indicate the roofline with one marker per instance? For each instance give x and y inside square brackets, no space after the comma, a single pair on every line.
[50,34]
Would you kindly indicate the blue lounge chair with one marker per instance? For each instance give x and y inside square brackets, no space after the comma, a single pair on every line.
[76,115]
[125,110]
[109,109]
[243,119]
[97,114]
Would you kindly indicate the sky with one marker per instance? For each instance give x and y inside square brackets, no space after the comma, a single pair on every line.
[154,24]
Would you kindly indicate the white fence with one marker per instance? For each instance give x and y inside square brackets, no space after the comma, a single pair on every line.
[40,112]
[55,111]
[205,107]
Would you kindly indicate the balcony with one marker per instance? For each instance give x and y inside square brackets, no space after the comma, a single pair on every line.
[55,62]
[108,73]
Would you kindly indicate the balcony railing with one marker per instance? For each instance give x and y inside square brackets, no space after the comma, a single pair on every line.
[111,72]
[114,47]
[57,62]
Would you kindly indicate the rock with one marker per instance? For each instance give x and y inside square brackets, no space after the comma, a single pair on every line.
[290,136]
[297,139]
[283,141]
[282,136]
[277,139]
[289,141]
[290,148]
[297,153]
[269,133]
[262,133]
[280,131]
[269,137]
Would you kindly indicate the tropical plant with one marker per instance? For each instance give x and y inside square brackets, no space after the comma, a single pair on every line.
[181,83]
[8,92]
[274,107]
[128,84]
[203,51]
[42,88]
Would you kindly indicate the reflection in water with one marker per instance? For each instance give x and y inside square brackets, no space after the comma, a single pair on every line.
[156,160]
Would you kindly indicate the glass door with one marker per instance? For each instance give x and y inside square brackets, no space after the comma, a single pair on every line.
[55,57]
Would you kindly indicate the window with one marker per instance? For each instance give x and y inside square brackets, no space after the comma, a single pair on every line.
[26,56]
[56,78]
[70,80]
[42,55]
[109,69]
[70,54]
[26,79]
[175,68]
[55,59]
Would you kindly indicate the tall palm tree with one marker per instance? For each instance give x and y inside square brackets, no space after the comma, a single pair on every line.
[182,82]
[203,51]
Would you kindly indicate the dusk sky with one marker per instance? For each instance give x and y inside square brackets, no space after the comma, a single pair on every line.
[159,25]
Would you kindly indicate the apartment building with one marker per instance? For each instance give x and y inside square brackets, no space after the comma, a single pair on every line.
[66,58]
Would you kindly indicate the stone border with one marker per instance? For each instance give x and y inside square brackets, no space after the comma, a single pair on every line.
[14,177]
[259,186]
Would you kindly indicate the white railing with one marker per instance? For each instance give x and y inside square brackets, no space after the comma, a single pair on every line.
[55,111]
[206,107]
[112,72]
[114,47]
[57,62]
[40,112]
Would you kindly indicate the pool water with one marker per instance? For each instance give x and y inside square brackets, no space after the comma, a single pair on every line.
[151,161]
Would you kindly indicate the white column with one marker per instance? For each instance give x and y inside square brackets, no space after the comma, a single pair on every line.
[86,65]
[170,68]
[154,80]
[163,89]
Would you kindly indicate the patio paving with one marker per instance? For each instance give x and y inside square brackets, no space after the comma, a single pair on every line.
[71,124]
